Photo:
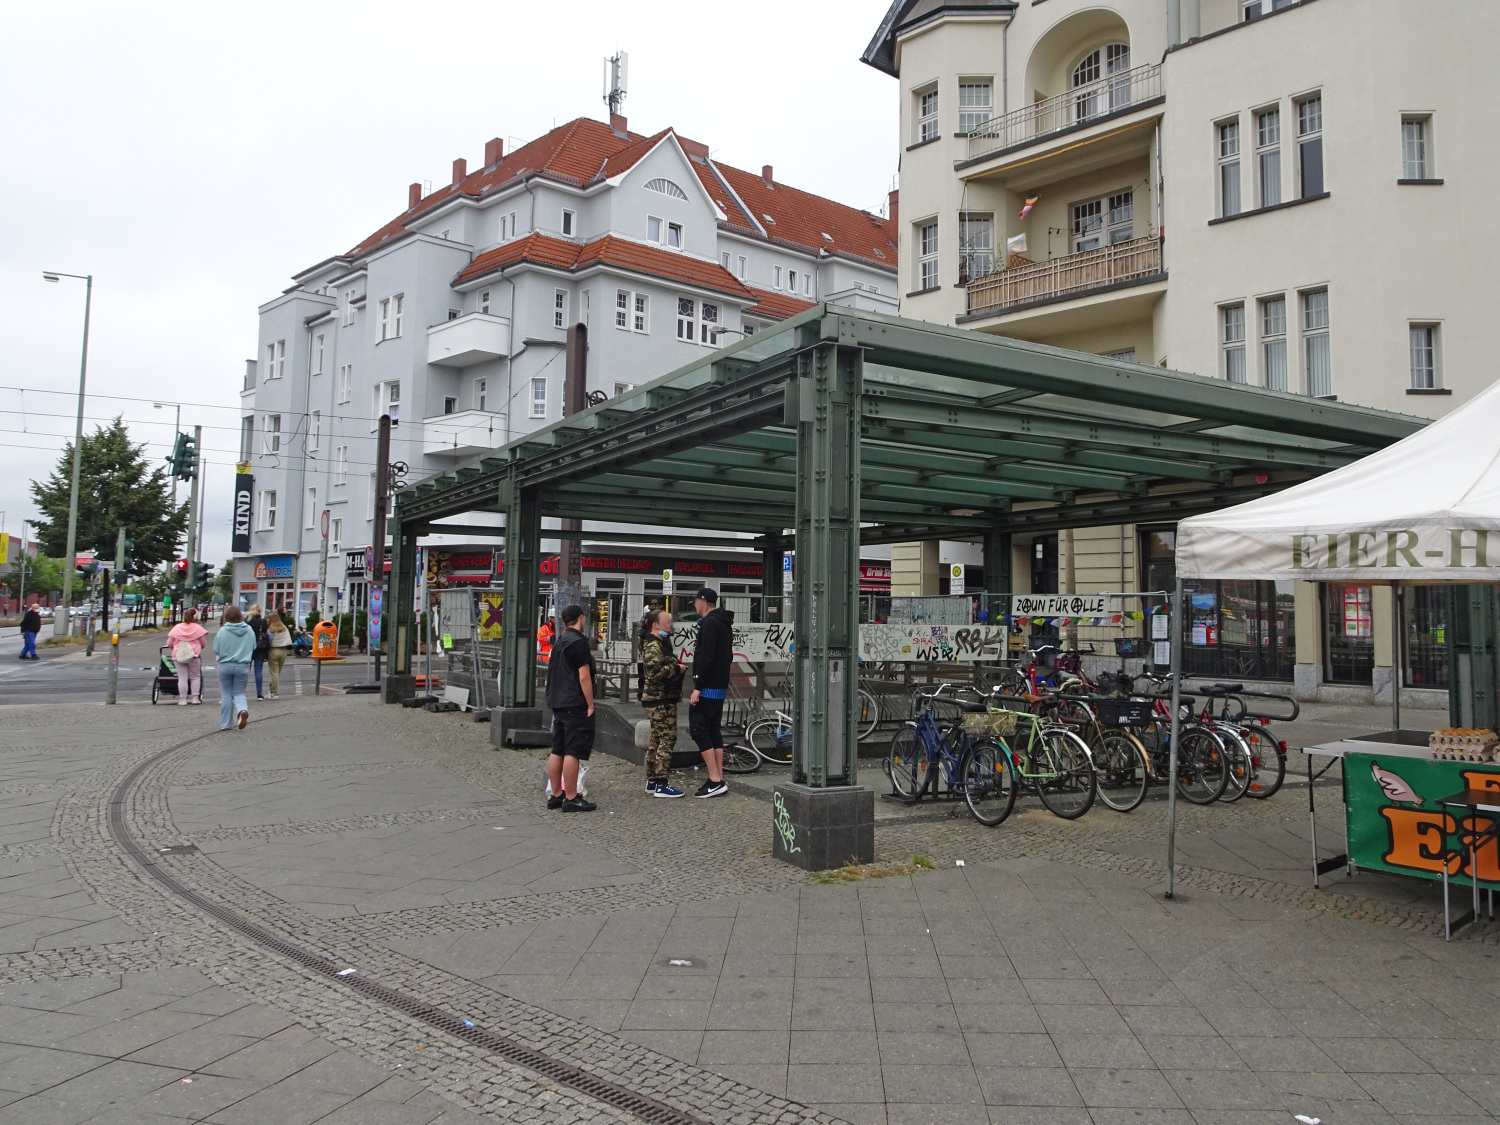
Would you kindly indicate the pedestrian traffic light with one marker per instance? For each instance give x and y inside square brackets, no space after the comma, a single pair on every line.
[203,574]
[180,568]
[185,457]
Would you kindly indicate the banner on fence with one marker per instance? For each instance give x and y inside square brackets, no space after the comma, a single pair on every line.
[1054,605]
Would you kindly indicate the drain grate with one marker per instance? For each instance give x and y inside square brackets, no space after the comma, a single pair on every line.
[564,1074]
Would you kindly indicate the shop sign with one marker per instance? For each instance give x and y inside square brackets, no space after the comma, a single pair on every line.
[244,486]
[310,585]
[274,566]
[250,586]
[354,562]
[1057,605]
[1395,823]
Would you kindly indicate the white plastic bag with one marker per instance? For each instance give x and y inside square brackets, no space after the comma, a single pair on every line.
[583,781]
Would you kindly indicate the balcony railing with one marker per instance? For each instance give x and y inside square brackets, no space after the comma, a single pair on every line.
[1079,106]
[1073,275]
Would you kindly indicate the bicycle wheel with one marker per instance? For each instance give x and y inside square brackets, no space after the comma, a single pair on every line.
[1238,766]
[1073,711]
[740,758]
[989,785]
[1201,776]
[905,762]
[1120,765]
[771,738]
[1013,683]
[1067,785]
[869,714]
[1267,761]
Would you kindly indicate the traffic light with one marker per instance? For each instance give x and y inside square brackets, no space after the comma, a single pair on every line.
[184,457]
[87,571]
[180,568]
[128,558]
[203,574]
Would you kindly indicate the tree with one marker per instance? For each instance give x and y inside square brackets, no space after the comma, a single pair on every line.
[117,488]
[43,577]
[223,583]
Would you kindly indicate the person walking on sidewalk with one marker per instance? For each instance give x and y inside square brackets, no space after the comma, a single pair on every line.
[186,645]
[234,645]
[31,625]
[712,658]
[546,636]
[281,647]
[570,697]
[660,694]
[257,624]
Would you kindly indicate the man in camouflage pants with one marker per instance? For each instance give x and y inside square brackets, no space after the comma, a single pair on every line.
[661,691]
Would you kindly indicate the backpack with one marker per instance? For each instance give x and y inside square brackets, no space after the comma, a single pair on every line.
[262,639]
[183,651]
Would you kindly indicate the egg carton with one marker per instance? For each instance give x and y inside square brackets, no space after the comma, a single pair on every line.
[1485,755]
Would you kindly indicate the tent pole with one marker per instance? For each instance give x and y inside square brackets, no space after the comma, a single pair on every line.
[1398,604]
[1175,625]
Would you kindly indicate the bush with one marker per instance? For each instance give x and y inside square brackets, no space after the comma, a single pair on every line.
[346,630]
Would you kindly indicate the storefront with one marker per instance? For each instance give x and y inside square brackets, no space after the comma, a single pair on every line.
[274,589]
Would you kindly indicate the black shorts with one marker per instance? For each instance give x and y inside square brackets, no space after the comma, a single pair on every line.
[703,723]
[573,733]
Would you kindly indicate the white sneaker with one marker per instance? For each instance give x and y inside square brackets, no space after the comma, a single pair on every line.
[275,696]
[182,703]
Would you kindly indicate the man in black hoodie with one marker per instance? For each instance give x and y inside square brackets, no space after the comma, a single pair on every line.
[713,656]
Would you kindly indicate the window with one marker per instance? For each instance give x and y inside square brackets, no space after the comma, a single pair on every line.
[484,300]
[674,235]
[1232,338]
[927,115]
[387,401]
[539,398]
[346,381]
[390,316]
[1124,355]
[1229,168]
[1095,99]
[622,308]
[567,222]
[791,281]
[1315,343]
[709,326]
[454,314]
[1268,156]
[653,229]
[1273,342]
[974,103]
[314,430]
[481,394]
[335,535]
[976,245]
[317,354]
[508,227]
[927,261]
[341,465]
[247,437]
[640,322]
[273,433]
[630,311]
[559,308]
[267,510]
[1088,222]
[724,259]
[776,277]
[1424,357]
[1416,160]
[807,285]
[742,264]
[623,388]
[310,519]
[587,304]
[1310,146]
[450,404]
[1119,217]
[687,324]
[667,188]
[348,300]
[1254,9]
[276,359]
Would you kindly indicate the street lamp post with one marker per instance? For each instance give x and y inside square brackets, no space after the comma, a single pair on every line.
[70,559]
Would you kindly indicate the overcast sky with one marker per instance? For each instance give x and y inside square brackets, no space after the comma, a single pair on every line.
[193,157]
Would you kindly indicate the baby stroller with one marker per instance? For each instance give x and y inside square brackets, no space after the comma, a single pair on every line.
[165,680]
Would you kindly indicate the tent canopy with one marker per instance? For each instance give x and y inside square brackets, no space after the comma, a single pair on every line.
[1417,512]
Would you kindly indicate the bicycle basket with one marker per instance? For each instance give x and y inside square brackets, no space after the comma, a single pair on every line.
[992,724]
[1132,646]
[1125,712]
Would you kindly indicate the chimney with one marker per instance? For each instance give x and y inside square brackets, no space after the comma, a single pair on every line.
[765,174]
[891,210]
[460,170]
[413,196]
[494,152]
[617,125]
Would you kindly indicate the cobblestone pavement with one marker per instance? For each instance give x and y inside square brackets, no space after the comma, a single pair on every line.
[656,945]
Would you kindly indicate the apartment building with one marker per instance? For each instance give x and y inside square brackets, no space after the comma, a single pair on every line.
[452,319]
[1273,192]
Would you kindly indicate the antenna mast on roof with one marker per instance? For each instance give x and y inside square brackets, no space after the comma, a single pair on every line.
[614,77]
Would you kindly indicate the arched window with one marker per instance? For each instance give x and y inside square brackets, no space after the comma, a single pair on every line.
[666,187]
[1110,62]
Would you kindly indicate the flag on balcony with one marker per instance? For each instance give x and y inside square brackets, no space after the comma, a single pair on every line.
[1016,244]
[1031,201]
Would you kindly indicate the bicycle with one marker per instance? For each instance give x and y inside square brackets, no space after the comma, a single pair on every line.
[924,756]
[769,737]
[1266,768]
[1054,763]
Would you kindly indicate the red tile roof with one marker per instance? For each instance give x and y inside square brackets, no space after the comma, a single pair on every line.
[585,151]
[778,306]
[637,257]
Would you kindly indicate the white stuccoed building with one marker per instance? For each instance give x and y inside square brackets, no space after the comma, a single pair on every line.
[452,318]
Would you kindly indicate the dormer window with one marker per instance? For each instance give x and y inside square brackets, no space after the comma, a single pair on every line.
[666,187]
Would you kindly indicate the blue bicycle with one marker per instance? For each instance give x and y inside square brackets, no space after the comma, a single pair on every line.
[929,758]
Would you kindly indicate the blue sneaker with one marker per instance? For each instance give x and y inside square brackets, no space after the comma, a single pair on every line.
[664,789]
[651,787]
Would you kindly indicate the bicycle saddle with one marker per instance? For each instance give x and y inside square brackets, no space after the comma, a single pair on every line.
[972,708]
[1219,690]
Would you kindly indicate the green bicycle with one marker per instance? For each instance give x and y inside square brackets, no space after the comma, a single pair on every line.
[1045,757]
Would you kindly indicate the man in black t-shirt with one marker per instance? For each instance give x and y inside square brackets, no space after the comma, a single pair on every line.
[570,697]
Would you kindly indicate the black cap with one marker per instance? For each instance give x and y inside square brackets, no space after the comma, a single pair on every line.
[571,614]
[708,594]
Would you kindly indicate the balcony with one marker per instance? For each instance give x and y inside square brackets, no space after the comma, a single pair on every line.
[1075,275]
[466,433]
[1080,107]
[467,340]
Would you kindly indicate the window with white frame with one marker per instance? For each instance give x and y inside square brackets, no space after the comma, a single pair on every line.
[1416,146]
[341,465]
[927,256]
[975,101]
[1268,156]
[653,229]
[1423,346]
[317,354]
[724,259]
[568,219]
[791,281]
[314,430]
[741,266]
[674,235]
[666,187]
[708,324]
[391,309]
[387,401]
[267,509]
[1096,220]
[508,227]
[976,245]
[539,398]
[346,381]
[1229,167]
[483,301]
[454,314]
[807,281]
[481,394]
[1232,341]
[276,359]
[640,320]
[927,115]
[687,319]
[272,432]
[631,311]
[450,404]
[622,308]
[335,535]
[348,300]
[623,389]
[776,277]
[247,437]
[1254,9]
[1273,343]
[1310,146]
[1317,362]
[310,518]
[559,308]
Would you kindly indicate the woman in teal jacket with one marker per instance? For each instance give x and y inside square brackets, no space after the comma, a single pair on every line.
[234,645]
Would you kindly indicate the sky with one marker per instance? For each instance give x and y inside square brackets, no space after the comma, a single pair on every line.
[193,157]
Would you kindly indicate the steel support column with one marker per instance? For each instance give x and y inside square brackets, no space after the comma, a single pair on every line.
[997,562]
[523,533]
[403,596]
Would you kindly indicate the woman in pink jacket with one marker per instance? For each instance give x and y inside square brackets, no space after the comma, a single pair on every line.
[187,635]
